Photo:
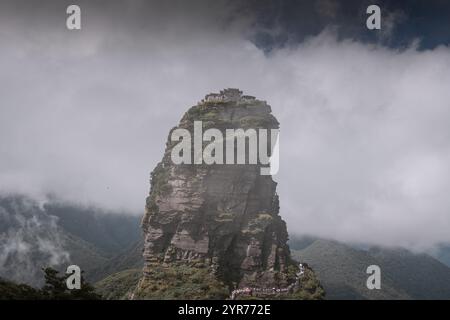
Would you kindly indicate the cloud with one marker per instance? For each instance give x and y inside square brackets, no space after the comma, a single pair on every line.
[389,23]
[367,159]
[29,241]
[364,129]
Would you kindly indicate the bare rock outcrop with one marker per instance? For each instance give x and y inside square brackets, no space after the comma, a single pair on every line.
[223,218]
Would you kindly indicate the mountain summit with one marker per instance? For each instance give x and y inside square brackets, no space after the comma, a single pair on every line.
[213,228]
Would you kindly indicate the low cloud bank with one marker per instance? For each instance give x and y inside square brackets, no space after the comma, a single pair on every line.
[365,134]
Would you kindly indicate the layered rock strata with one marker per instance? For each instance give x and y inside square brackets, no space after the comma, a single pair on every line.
[220,217]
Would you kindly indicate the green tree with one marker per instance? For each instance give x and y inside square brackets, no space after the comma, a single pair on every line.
[86,292]
[55,288]
[12,291]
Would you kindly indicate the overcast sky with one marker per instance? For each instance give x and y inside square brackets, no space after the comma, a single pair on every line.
[365,118]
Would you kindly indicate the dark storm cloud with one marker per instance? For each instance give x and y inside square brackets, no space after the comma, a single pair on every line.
[268,23]
[365,135]
[403,22]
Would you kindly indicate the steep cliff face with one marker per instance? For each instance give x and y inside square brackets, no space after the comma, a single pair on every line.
[221,219]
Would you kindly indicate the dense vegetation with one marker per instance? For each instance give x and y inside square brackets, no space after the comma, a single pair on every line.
[120,285]
[341,270]
[182,281]
[55,288]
